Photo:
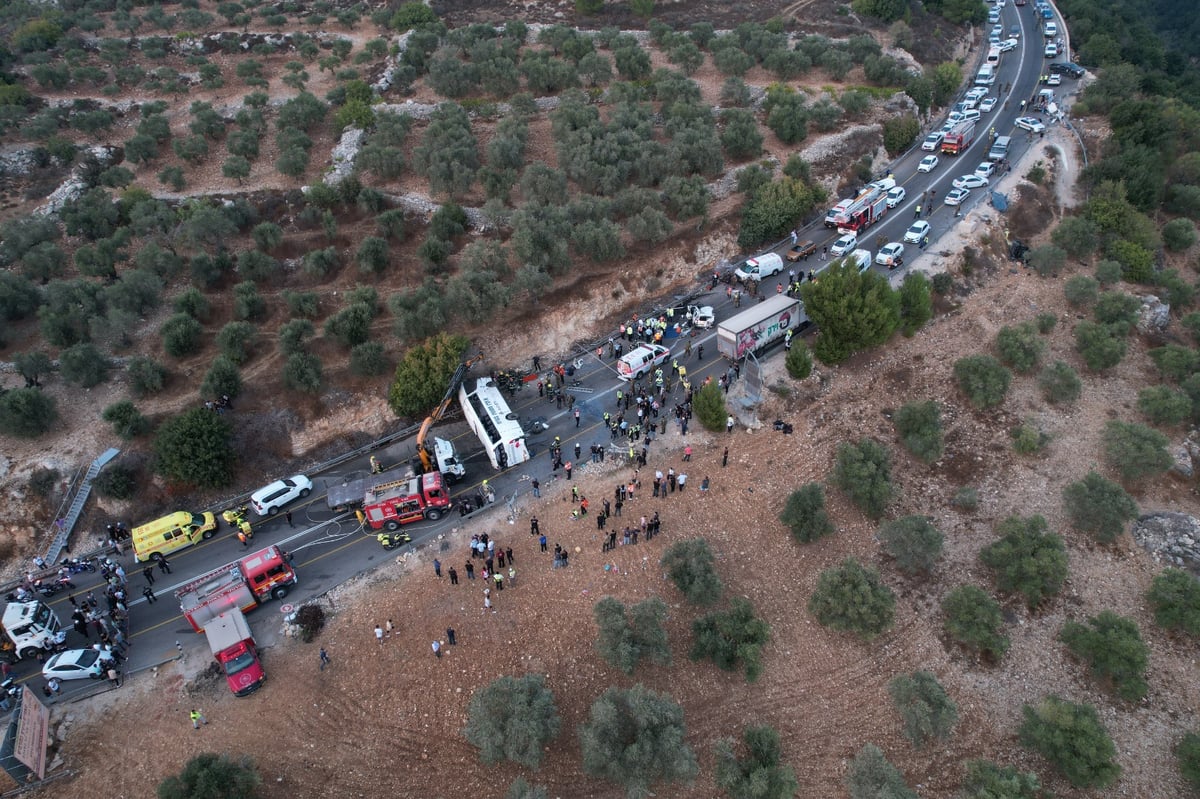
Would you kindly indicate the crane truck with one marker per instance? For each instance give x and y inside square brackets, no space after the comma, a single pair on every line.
[443,456]
[242,585]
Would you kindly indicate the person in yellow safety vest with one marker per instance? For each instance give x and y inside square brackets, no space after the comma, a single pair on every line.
[375,467]
[687,387]
[670,313]
[362,518]
[245,528]
[682,372]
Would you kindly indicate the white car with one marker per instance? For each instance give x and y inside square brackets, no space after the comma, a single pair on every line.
[1007,45]
[74,664]
[843,245]
[1054,80]
[987,104]
[895,196]
[997,29]
[957,196]
[916,231]
[1051,50]
[948,126]
[932,141]
[972,115]
[985,169]
[1031,124]
[928,163]
[890,255]
[975,94]
[969,182]
[267,500]
[956,116]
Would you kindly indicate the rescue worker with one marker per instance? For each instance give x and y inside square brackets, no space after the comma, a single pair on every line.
[375,467]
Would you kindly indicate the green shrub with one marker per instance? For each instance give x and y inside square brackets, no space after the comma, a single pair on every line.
[628,635]
[1179,234]
[1072,738]
[1162,405]
[1028,559]
[26,412]
[863,472]
[1135,451]
[986,780]
[871,776]
[1047,260]
[799,362]
[966,498]
[1108,272]
[302,372]
[1099,507]
[709,406]
[919,425]
[117,480]
[1060,384]
[146,376]
[221,378]
[1028,438]
[805,513]
[1188,755]
[1117,308]
[127,421]
[913,542]
[916,303]
[983,379]
[927,710]
[83,365]
[1020,347]
[181,335]
[760,775]
[369,359]
[690,566]
[635,737]
[1175,598]
[974,619]
[731,638]
[1114,649]
[1099,345]
[248,304]
[853,598]
[1045,322]
[306,304]
[195,448]
[234,340]
[513,718]
[1176,362]
[311,620]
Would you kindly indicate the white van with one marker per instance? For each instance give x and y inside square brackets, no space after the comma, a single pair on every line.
[759,267]
[643,360]
[993,57]
[986,76]
[861,259]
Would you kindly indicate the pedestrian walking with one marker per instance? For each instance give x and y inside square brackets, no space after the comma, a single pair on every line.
[148,592]
[533,526]
[687,452]
[512,576]
[917,213]
[704,483]
[470,567]
[577,423]
[324,658]
[164,566]
[288,515]
[148,573]
[197,718]
[537,488]
[450,639]
[508,555]
[487,604]
[729,424]
[499,579]
[567,468]
[437,568]
[389,627]
[542,538]
[453,576]
[725,458]
[378,635]
[437,649]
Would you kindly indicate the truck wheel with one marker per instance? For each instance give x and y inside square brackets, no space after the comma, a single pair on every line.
[279,591]
[392,525]
[207,534]
[304,492]
[433,514]
[157,557]
[30,652]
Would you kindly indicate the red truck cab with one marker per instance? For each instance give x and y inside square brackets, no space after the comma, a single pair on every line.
[233,648]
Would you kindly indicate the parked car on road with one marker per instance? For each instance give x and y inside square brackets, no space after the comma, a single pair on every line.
[267,500]
[1031,124]
[957,196]
[890,255]
[928,163]
[74,664]
[916,231]
[933,141]
[969,182]
[987,104]
[895,196]
[801,249]
[843,245]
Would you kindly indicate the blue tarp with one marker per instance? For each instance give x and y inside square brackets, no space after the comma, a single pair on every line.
[999,201]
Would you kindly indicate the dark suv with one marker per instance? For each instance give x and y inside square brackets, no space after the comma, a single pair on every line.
[1067,68]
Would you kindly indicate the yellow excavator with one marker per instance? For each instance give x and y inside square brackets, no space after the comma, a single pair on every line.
[442,457]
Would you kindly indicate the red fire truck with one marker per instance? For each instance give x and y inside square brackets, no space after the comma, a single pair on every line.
[868,208]
[244,584]
[959,138]
[409,500]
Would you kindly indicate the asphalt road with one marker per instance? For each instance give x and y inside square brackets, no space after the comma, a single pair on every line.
[331,548]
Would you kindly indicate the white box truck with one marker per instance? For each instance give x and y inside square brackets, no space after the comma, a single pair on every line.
[756,328]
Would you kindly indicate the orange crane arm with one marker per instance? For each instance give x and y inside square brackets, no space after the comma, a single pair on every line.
[436,414]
